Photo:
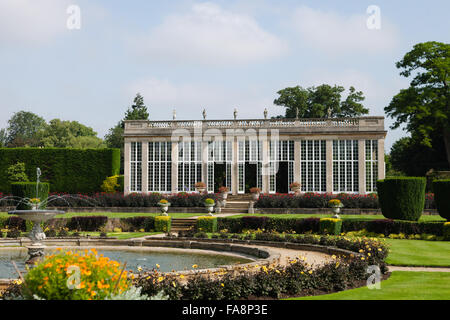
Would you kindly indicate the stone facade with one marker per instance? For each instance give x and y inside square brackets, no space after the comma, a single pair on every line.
[323,155]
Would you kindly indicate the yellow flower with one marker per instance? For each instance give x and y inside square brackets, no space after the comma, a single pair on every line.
[181,276]
[139,269]
[310,272]
[157,266]
[194,266]
[222,285]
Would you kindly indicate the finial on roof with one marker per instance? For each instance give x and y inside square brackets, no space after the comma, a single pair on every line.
[265,113]
[174,114]
[204,114]
[235,113]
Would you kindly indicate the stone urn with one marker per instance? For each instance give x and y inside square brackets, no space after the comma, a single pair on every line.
[164,207]
[209,205]
[255,192]
[295,187]
[200,187]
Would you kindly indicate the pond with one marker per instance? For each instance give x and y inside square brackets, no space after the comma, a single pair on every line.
[168,259]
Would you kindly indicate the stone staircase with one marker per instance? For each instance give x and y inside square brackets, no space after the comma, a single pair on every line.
[237,203]
[182,224]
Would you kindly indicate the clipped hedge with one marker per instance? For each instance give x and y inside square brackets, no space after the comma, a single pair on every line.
[207,224]
[87,223]
[402,198]
[28,190]
[442,197]
[330,226]
[67,170]
[138,223]
[162,223]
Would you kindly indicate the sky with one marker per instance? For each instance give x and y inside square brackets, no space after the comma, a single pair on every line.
[85,60]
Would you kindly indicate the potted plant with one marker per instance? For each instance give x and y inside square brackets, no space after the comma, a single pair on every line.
[164,206]
[255,193]
[223,192]
[295,187]
[34,202]
[209,204]
[336,205]
[200,187]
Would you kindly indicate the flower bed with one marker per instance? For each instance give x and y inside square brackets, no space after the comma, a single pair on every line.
[275,281]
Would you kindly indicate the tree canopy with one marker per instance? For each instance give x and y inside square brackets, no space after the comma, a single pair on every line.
[424,107]
[23,129]
[321,101]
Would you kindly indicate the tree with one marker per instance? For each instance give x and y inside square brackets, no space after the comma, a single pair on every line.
[69,134]
[411,157]
[16,173]
[114,137]
[24,129]
[425,106]
[3,138]
[138,110]
[317,102]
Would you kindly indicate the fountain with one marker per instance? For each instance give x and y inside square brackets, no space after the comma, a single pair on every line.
[37,216]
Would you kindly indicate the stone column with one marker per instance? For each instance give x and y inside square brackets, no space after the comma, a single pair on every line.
[144,166]
[381,165]
[362,165]
[174,179]
[234,169]
[329,165]
[297,177]
[265,166]
[126,164]
[205,163]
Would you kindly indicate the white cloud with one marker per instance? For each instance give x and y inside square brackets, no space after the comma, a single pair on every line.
[189,99]
[31,21]
[208,34]
[333,33]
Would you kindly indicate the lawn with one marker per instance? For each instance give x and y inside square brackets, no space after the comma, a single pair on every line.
[402,285]
[343,216]
[419,253]
[119,214]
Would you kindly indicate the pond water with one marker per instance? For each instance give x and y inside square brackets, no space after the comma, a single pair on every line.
[168,260]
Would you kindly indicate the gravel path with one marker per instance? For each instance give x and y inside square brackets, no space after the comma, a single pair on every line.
[419,269]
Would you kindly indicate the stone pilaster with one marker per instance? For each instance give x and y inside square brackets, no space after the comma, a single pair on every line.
[297,161]
[174,179]
[126,164]
[381,164]
[362,165]
[144,166]
[329,165]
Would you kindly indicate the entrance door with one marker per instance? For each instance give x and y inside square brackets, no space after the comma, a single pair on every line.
[282,177]
[220,176]
[250,176]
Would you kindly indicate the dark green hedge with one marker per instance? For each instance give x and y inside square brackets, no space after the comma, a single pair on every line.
[67,170]
[442,197]
[402,198]
[28,190]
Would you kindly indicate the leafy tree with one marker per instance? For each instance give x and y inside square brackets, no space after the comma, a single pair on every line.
[317,102]
[411,157]
[425,106]
[69,134]
[24,129]
[3,138]
[16,173]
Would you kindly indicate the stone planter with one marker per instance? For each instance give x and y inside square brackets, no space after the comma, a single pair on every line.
[210,208]
[164,207]
[224,195]
[255,196]
[296,190]
[201,190]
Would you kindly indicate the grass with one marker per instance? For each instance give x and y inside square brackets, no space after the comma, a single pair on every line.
[118,214]
[402,285]
[419,253]
[423,218]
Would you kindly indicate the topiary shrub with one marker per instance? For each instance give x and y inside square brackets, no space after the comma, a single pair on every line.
[162,224]
[442,197]
[330,226]
[207,224]
[446,231]
[27,190]
[402,198]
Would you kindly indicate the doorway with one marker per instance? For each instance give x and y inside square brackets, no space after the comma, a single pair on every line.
[282,177]
[220,176]
[250,176]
